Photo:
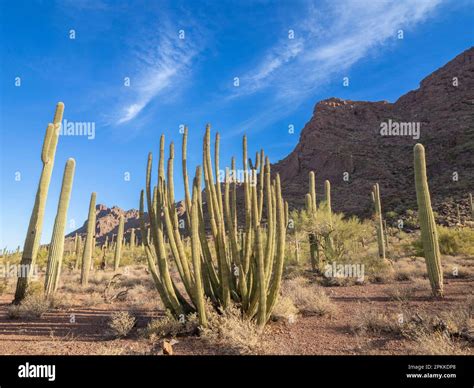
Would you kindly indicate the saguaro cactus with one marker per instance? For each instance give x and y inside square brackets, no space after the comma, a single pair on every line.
[78,250]
[379,220]
[118,246]
[429,234]
[56,248]
[35,227]
[132,238]
[87,254]
[312,191]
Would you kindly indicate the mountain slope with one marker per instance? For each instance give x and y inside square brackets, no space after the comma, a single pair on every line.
[344,136]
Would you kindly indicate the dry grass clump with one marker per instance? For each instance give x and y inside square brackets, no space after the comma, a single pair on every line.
[33,306]
[406,292]
[370,321]
[308,299]
[438,343]
[445,333]
[284,310]
[121,323]
[229,332]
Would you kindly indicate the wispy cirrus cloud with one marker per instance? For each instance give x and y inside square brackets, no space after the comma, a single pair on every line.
[163,60]
[329,39]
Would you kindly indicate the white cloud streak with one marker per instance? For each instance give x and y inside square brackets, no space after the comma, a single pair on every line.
[330,39]
[163,61]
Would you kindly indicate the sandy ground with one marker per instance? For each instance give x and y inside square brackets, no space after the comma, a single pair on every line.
[84,330]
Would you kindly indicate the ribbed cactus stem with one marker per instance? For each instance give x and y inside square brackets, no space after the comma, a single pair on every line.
[35,227]
[88,245]
[327,192]
[471,206]
[196,257]
[56,248]
[308,203]
[429,234]
[78,251]
[118,246]
[379,221]
[132,238]
[312,190]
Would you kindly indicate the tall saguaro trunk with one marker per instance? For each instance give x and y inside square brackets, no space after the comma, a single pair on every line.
[429,234]
[35,227]
[56,248]
[379,221]
[88,245]
[118,246]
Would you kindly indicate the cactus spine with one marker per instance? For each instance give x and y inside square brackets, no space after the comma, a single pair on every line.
[429,234]
[35,227]
[56,251]
[87,253]
[118,246]
[379,220]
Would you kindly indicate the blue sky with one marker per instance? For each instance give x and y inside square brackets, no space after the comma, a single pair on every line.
[190,81]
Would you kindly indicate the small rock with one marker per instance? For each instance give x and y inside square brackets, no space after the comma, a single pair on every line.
[167,348]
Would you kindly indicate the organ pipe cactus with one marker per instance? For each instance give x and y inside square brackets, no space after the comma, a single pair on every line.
[226,265]
[429,233]
[56,248]
[88,245]
[118,246]
[379,220]
[35,227]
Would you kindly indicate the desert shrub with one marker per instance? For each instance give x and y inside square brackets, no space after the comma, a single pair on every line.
[33,306]
[284,310]
[35,288]
[308,298]
[3,285]
[168,326]
[459,241]
[231,333]
[121,323]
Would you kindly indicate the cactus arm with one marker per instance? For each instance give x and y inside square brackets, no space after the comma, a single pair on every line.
[56,248]
[87,253]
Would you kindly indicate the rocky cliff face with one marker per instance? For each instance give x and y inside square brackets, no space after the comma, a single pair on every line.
[343,139]
[107,221]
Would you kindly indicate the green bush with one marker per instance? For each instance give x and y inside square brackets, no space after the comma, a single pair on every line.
[459,241]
